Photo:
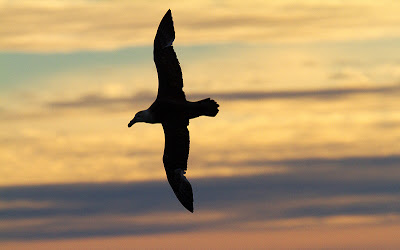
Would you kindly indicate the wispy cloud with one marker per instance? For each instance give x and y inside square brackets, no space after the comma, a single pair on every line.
[74,140]
[104,102]
[268,201]
[122,103]
[94,25]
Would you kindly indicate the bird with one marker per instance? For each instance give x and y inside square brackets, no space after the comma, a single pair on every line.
[173,111]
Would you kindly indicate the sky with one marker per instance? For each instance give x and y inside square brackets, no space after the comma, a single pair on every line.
[304,152]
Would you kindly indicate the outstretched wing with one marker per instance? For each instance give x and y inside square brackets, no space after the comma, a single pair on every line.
[170,82]
[176,153]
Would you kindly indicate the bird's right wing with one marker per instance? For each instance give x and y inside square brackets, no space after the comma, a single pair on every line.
[170,81]
[176,153]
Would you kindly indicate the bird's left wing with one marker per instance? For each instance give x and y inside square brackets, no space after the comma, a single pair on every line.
[176,153]
[170,81]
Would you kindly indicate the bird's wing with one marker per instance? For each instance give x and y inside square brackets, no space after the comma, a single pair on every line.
[176,153]
[170,82]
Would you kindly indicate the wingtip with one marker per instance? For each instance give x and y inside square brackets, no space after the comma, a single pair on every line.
[181,187]
[165,35]
[185,203]
[188,206]
[183,199]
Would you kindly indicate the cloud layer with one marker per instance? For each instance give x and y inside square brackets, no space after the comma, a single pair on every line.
[103,102]
[313,195]
[86,139]
[98,25]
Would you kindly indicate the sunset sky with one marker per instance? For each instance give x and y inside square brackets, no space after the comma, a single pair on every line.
[304,152]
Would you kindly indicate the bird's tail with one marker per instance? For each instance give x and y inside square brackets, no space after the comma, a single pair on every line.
[209,107]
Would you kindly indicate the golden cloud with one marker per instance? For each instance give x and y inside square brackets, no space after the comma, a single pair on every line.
[88,25]
[81,145]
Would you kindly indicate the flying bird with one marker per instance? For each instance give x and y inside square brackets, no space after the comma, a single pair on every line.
[173,111]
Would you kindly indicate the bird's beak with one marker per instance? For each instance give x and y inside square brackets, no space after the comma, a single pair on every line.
[133,121]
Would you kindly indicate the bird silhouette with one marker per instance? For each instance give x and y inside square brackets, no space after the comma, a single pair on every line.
[173,111]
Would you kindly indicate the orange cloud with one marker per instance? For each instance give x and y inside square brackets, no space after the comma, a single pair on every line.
[88,25]
[361,237]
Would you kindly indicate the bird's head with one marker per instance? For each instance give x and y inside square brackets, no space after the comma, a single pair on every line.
[141,116]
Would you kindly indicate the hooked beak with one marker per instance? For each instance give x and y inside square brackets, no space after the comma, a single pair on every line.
[133,121]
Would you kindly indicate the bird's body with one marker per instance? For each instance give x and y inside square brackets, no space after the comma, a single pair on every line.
[173,111]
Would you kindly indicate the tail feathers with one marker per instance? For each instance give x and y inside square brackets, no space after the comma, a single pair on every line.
[210,107]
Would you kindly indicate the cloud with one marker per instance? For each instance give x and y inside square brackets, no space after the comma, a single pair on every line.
[87,140]
[99,101]
[269,201]
[98,25]
[347,76]
[78,137]
[104,102]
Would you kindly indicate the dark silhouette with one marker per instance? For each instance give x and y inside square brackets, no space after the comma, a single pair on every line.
[173,111]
